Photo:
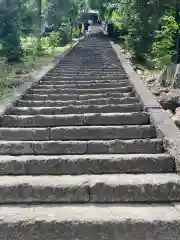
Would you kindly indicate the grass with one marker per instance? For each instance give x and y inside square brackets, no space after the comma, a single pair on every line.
[12,75]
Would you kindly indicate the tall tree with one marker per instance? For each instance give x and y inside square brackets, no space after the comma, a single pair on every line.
[10,22]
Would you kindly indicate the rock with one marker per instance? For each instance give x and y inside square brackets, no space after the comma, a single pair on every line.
[19,71]
[176,117]
[167,103]
[174,95]
[139,72]
[170,100]
[156,91]
[151,80]
[170,113]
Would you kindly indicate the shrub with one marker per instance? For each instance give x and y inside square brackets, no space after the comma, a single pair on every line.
[162,49]
[46,45]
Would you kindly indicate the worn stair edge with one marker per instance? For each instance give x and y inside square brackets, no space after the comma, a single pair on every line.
[101,78]
[103,132]
[69,222]
[100,101]
[106,221]
[86,119]
[106,188]
[79,91]
[166,129]
[80,86]
[81,147]
[89,73]
[85,75]
[74,96]
[35,78]
[78,133]
[86,164]
[79,82]
[76,109]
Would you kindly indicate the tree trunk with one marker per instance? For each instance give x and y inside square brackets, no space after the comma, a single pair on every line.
[39,7]
[176,83]
[10,33]
[161,80]
[166,77]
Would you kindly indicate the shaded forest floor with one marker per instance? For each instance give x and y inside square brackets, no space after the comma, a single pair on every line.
[14,74]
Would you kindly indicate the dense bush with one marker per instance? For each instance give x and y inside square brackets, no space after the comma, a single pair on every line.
[47,44]
[21,25]
[163,46]
[150,27]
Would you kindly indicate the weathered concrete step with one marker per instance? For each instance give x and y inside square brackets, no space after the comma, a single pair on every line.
[106,188]
[79,91]
[25,134]
[86,77]
[102,132]
[75,120]
[84,82]
[81,86]
[73,109]
[90,61]
[84,74]
[83,58]
[81,69]
[86,164]
[75,96]
[100,101]
[100,74]
[102,68]
[60,76]
[81,147]
[87,221]
[79,133]
[91,71]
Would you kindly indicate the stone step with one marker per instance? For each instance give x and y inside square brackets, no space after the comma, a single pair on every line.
[81,86]
[97,67]
[92,71]
[114,62]
[82,68]
[82,74]
[79,91]
[50,76]
[103,132]
[73,109]
[81,147]
[90,62]
[78,133]
[87,72]
[80,83]
[86,164]
[64,76]
[106,188]
[64,97]
[75,119]
[87,221]
[55,81]
[100,101]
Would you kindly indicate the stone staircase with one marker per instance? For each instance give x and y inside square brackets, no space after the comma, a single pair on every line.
[80,159]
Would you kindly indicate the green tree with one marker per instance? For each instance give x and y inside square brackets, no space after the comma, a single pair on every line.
[10,22]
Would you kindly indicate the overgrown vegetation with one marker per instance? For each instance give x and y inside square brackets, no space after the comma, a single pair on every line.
[32,32]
